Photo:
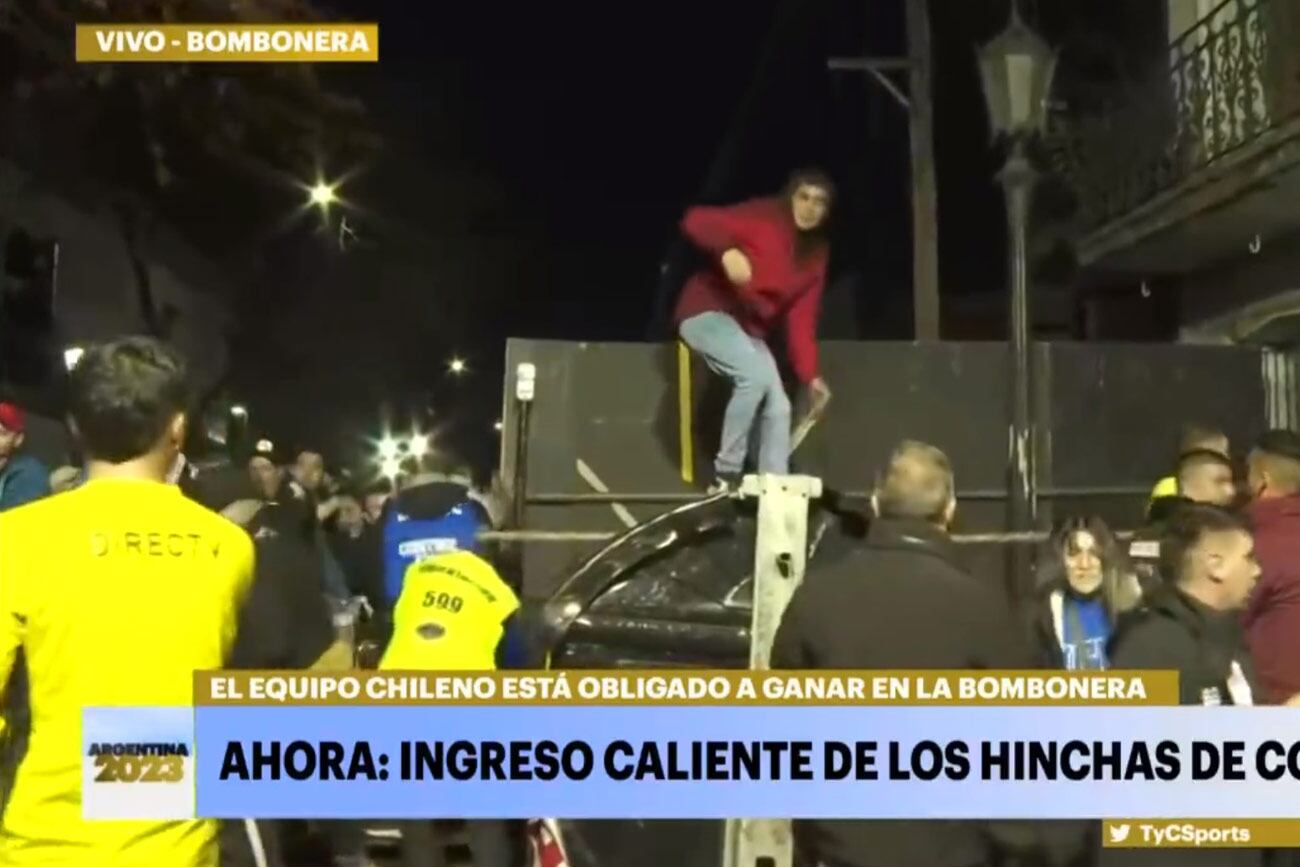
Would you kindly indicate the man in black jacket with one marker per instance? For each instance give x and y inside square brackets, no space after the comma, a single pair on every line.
[1191,625]
[900,601]
[285,623]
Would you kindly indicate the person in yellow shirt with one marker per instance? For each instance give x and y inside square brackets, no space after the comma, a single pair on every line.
[455,613]
[115,593]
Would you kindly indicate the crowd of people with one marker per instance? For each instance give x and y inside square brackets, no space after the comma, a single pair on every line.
[1210,588]
[271,562]
[125,576]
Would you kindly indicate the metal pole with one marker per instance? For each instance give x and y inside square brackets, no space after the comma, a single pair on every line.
[1026,537]
[925,196]
[1017,178]
[780,555]
[985,495]
[519,489]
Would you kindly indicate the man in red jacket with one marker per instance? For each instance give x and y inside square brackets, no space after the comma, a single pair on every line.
[1272,619]
[768,267]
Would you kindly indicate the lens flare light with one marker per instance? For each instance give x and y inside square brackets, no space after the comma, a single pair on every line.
[388,448]
[322,195]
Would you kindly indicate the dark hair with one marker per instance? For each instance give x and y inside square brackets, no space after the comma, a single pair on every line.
[1187,527]
[124,393]
[809,176]
[1279,451]
[1119,589]
[1280,443]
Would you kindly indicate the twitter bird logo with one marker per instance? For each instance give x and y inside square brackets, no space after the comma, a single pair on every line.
[1119,833]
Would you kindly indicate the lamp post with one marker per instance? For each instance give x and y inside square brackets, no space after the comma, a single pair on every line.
[1016,70]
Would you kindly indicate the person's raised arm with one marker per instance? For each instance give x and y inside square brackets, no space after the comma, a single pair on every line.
[713,229]
[720,232]
[726,234]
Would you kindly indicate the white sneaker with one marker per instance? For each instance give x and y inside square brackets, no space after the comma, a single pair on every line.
[723,484]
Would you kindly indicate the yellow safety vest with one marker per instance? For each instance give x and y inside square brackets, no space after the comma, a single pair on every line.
[450,615]
[1166,487]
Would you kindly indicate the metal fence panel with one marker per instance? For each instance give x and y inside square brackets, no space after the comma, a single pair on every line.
[1110,413]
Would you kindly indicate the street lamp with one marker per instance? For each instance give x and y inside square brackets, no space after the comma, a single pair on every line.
[239,411]
[71,356]
[1016,71]
[457,366]
[322,194]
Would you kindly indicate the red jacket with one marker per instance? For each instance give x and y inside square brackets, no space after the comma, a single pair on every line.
[781,288]
[1272,619]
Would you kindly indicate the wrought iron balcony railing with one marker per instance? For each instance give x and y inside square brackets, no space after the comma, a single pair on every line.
[1232,78]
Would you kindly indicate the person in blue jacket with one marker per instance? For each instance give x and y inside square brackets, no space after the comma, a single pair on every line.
[23,478]
[437,510]
[432,513]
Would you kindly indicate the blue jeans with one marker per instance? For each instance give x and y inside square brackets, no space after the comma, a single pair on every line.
[757,392]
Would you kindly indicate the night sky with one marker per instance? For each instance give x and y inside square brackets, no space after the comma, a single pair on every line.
[536,160]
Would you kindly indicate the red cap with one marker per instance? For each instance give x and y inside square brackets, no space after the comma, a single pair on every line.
[12,417]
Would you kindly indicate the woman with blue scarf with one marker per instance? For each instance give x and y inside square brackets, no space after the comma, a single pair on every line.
[1085,585]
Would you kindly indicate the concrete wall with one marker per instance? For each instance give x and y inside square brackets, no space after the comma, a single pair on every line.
[96,284]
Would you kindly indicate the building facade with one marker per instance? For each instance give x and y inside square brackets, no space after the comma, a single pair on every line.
[1187,180]
[95,289]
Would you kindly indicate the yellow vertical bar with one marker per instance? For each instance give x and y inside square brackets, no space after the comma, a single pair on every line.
[686,443]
